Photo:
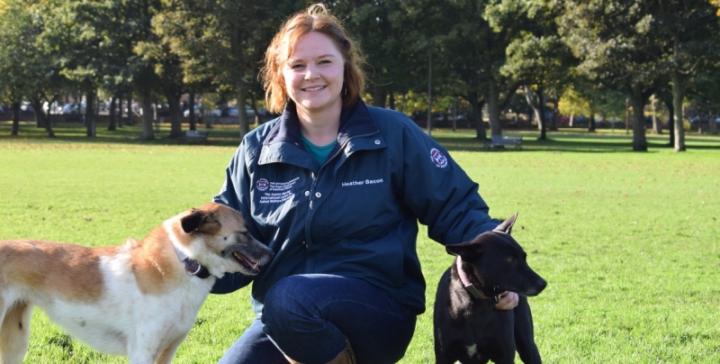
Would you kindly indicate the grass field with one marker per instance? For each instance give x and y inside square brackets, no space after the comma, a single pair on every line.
[629,242]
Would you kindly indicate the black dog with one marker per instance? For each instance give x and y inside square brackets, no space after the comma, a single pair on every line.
[468,328]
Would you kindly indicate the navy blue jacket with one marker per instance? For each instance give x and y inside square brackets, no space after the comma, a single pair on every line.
[355,215]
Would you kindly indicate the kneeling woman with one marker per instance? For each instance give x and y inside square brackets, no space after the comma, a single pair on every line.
[335,188]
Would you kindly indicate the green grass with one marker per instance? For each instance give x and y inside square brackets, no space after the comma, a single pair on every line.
[629,242]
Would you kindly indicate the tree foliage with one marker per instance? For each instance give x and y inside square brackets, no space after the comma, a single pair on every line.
[419,53]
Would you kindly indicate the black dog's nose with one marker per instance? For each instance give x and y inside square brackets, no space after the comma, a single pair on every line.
[538,287]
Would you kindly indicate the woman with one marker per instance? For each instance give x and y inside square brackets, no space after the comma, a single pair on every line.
[336,188]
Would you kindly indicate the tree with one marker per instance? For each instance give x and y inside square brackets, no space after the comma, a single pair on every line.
[26,70]
[223,42]
[619,49]
[382,30]
[539,59]
[689,34]
[74,34]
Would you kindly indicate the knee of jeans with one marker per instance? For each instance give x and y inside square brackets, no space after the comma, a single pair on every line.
[284,306]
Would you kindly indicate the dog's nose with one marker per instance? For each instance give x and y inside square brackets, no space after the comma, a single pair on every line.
[541,284]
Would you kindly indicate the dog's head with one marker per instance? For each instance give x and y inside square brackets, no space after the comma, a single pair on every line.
[496,261]
[216,236]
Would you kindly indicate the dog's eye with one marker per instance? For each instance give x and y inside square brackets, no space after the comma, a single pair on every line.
[510,260]
[225,238]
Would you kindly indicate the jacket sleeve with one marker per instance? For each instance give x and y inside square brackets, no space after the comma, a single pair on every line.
[439,193]
[235,193]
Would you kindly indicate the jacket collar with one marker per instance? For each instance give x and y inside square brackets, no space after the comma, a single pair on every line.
[358,131]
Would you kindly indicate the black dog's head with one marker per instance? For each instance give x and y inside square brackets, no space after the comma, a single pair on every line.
[495,260]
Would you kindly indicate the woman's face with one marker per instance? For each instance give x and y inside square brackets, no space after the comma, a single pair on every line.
[313,74]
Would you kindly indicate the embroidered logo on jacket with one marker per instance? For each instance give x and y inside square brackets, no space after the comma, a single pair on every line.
[438,158]
[275,192]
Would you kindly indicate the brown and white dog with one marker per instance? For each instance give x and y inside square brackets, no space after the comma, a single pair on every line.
[139,299]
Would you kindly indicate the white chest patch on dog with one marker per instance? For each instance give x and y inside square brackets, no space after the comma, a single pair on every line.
[471,350]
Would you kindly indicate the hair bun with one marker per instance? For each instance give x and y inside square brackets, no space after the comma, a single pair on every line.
[317,9]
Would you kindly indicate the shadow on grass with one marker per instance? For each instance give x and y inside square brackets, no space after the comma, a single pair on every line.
[222,135]
[606,141]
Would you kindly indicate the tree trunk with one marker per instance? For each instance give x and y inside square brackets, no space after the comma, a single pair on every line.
[537,104]
[556,114]
[112,122]
[191,107]
[542,121]
[493,109]
[175,115]
[90,98]
[38,112]
[129,111]
[120,107]
[627,116]
[244,125]
[671,122]
[592,126]
[42,119]
[16,118]
[476,115]
[657,125]
[678,94]
[148,133]
[639,142]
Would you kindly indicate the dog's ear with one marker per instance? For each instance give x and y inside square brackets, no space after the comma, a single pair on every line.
[467,249]
[193,221]
[507,225]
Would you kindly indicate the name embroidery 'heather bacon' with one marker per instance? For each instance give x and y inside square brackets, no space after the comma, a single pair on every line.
[363,182]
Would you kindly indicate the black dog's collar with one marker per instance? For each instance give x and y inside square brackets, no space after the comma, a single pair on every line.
[192,266]
[474,291]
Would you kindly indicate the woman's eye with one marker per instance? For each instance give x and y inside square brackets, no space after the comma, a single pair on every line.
[297,66]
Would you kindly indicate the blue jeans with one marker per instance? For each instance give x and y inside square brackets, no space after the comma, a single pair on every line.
[310,317]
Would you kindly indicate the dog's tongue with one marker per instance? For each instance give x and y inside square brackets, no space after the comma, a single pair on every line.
[245,261]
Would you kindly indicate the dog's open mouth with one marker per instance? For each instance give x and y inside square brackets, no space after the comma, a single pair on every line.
[247,263]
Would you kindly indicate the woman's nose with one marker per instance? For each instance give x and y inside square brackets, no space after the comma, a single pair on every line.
[310,72]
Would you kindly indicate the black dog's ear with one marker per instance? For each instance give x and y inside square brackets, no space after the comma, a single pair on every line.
[467,249]
[192,222]
[507,225]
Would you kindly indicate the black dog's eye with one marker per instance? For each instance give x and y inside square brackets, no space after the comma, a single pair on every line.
[510,260]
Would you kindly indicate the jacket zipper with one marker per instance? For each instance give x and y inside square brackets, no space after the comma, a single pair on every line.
[312,207]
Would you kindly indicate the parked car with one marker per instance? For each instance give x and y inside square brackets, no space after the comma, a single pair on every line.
[198,112]
[73,108]
[26,106]
[699,122]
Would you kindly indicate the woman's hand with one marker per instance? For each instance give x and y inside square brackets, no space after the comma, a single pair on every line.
[508,301]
